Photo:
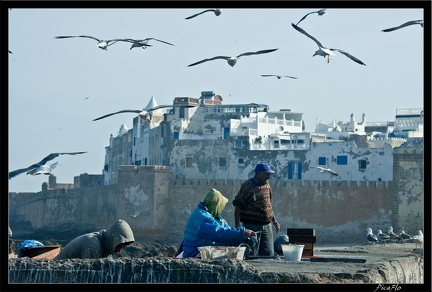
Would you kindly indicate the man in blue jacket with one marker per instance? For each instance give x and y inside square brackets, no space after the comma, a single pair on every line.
[206,226]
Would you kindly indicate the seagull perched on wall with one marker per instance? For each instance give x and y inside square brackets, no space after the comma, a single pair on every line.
[370,237]
[326,52]
[101,43]
[412,22]
[382,236]
[142,43]
[322,169]
[278,76]
[216,11]
[404,236]
[233,60]
[39,168]
[418,239]
[319,12]
[144,113]
[393,236]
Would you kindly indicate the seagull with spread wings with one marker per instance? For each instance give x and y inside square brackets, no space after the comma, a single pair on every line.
[141,43]
[101,43]
[216,11]
[323,51]
[322,170]
[278,76]
[41,167]
[319,12]
[408,23]
[145,113]
[233,60]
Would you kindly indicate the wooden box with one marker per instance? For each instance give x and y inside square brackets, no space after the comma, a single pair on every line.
[304,236]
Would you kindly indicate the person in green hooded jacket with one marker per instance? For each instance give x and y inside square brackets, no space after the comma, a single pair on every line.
[99,244]
[206,226]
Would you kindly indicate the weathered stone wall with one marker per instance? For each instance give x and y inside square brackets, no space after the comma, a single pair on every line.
[60,209]
[155,205]
[408,193]
[332,209]
[404,269]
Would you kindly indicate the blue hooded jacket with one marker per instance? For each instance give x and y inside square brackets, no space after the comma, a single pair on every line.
[202,229]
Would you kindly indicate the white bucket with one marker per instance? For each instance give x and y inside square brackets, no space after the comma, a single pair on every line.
[292,252]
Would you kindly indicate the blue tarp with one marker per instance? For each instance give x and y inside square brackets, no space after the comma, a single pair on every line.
[29,244]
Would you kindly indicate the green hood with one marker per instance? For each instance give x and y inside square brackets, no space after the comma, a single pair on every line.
[215,202]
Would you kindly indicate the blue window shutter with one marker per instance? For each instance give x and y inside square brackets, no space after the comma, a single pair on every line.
[342,160]
[322,161]
[226,133]
[299,170]
[290,170]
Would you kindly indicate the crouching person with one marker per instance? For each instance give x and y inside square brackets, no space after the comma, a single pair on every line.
[206,227]
[99,244]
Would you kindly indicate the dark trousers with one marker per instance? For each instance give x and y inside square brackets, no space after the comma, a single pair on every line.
[265,246]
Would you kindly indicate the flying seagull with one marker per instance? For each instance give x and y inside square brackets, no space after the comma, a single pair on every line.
[322,169]
[144,114]
[233,60]
[412,22]
[141,43]
[319,12]
[34,168]
[101,43]
[217,12]
[43,169]
[323,51]
[278,76]
[370,237]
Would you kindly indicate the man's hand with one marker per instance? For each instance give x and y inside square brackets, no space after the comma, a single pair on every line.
[277,226]
[250,233]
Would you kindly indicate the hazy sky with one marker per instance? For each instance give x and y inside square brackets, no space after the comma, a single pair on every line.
[49,79]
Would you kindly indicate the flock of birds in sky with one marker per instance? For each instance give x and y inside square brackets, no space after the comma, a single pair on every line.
[232,60]
[391,237]
[42,168]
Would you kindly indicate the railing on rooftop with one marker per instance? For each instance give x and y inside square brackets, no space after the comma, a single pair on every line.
[409,111]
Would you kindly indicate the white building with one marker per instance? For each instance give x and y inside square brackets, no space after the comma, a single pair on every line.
[216,141]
